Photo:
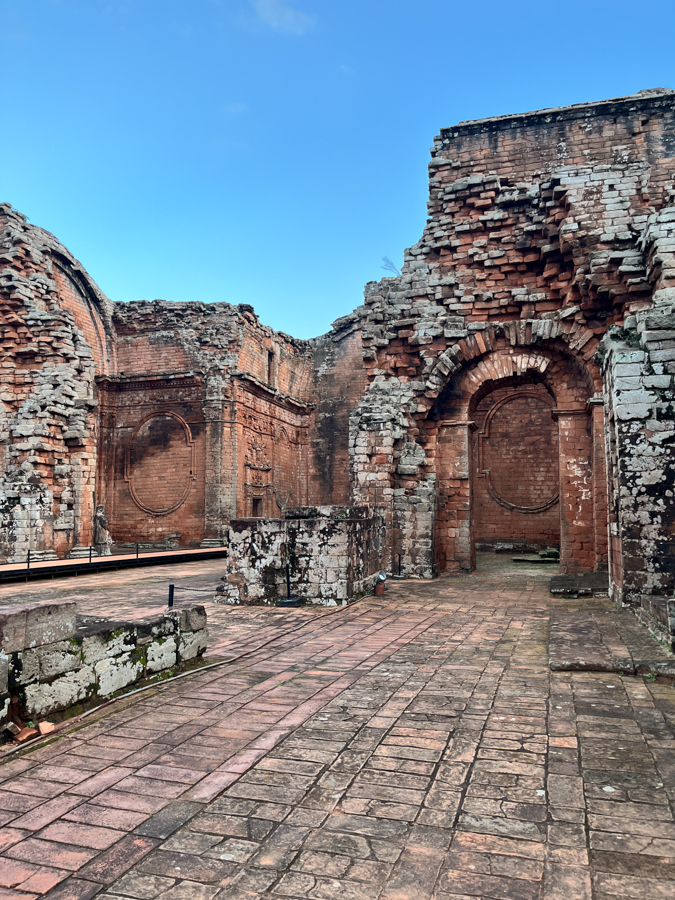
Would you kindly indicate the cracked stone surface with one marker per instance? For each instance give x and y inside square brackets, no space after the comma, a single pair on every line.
[412,746]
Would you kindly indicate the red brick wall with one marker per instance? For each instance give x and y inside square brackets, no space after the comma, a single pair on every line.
[272,454]
[248,416]
[88,319]
[526,451]
[588,134]
[516,460]
[152,477]
[340,380]
[150,354]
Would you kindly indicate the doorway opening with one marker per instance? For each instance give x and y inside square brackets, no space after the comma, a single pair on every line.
[516,480]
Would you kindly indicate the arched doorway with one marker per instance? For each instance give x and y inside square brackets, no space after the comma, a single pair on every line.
[520,458]
[516,483]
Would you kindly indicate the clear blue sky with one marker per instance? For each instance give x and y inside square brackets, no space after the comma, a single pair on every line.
[273,151]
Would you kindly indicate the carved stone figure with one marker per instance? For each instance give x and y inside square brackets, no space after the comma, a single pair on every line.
[102,538]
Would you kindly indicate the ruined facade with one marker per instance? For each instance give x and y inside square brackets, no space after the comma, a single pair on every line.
[513,384]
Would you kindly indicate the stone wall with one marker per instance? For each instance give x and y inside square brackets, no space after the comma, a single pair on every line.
[333,554]
[639,396]
[52,660]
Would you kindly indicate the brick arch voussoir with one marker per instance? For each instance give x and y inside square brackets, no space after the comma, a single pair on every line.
[570,386]
[571,339]
[506,351]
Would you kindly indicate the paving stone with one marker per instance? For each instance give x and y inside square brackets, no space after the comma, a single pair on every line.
[75,889]
[144,887]
[480,784]
[13,872]
[59,855]
[93,814]
[109,866]
[132,802]
[184,865]
[43,880]
[81,835]
[169,819]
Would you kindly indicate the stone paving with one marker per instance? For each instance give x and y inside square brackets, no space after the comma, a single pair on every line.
[134,593]
[412,746]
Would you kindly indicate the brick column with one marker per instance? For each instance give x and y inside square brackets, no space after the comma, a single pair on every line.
[577,526]
[453,529]
[214,507]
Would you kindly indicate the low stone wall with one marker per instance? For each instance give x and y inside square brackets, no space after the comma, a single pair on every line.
[52,659]
[333,552]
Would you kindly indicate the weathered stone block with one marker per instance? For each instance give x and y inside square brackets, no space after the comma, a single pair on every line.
[59,658]
[45,663]
[628,369]
[155,626]
[107,644]
[41,699]
[49,622]
[193,619]
[12,629]
[192,644]
[24,668]
[161,654]
[627,411]
[33,625]
[115,673]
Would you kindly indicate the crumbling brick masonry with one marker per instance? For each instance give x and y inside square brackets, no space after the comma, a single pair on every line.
[514,383]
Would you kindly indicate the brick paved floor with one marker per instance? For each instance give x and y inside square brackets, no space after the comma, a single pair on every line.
[414,746]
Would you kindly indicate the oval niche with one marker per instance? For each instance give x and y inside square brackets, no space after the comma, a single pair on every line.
[520,453]
[161,463]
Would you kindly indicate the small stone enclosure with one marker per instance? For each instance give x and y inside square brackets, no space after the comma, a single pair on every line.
[333,554]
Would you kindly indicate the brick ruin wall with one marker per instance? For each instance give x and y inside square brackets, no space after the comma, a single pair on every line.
[478,397]
[176,416]
[208,415]
[56,329]
[539,241]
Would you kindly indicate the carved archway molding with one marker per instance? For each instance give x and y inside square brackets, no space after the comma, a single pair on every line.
[128,468]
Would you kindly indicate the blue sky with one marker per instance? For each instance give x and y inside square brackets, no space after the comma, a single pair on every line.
[269,152]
